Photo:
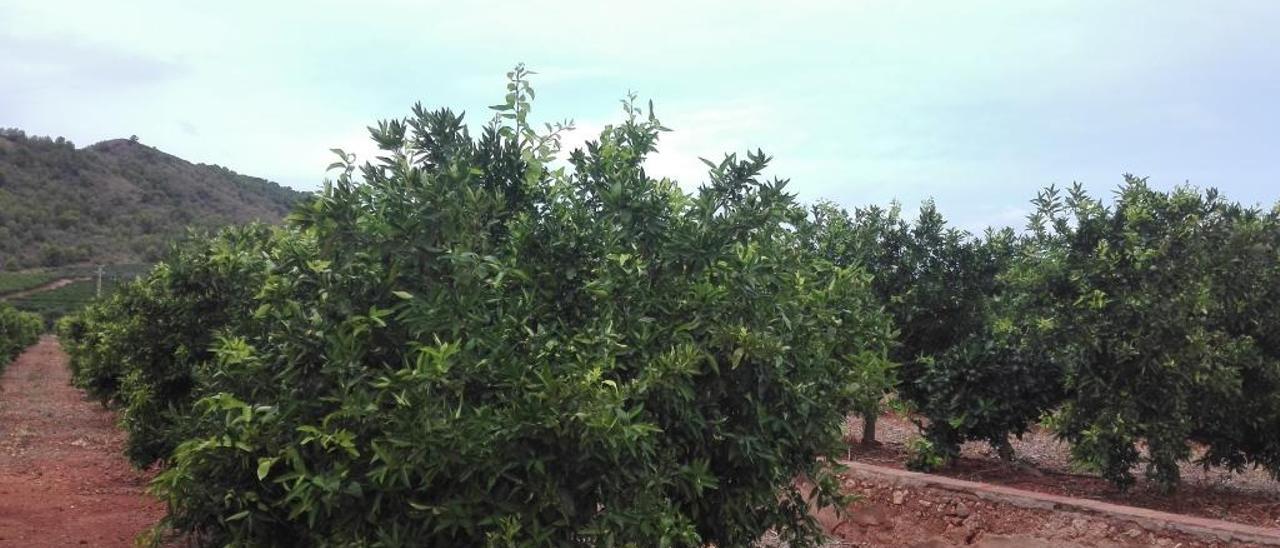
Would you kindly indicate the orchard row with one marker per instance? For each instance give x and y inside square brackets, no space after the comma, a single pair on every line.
[470,342]
[18,330]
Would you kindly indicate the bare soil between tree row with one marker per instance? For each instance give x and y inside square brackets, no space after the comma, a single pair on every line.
[1043,464]
[64,480]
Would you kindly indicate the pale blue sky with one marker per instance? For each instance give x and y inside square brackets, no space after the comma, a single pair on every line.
[977,104]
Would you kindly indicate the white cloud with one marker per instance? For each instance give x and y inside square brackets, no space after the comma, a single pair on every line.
[976,103]
[710,133]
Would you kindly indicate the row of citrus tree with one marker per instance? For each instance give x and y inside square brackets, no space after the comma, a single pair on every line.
[18,330]
[481,344]
[1144,332]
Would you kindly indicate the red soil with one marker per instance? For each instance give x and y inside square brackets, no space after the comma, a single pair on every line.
[1043,465]
[63,478]
[895,515]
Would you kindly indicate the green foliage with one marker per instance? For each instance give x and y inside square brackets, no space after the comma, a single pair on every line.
[472,341]
[1162,306]
[997,383]
[832,237]
[963,366]
[18,330]
[1151,323]
[924,454]
[932,279]
[141,347]
[473,346]
[1001,378]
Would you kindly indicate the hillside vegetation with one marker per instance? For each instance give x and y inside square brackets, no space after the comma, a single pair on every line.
[117,201]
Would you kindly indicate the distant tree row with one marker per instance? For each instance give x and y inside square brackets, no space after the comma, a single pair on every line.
[18,330]
[1138,330]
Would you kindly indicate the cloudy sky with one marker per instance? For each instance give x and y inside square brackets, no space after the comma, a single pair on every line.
[976,104]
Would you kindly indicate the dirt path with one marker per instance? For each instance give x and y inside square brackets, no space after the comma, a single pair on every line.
[56,284]
[63,478]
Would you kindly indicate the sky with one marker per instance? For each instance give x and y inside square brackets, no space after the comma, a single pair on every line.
[975,104]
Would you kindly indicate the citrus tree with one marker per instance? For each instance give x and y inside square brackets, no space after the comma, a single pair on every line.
[1160,303]
[466,342]
[144,346]
[1004,375]
[939,285]
[18,330]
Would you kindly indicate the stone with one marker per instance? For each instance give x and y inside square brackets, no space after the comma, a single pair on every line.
[850,534]
[956,535]
[899,497]
[1019,541]
[935,542]
[960,510]
[827,517]
[973,536]
[869,516]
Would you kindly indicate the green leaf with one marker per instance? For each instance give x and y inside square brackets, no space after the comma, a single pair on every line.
[264,466]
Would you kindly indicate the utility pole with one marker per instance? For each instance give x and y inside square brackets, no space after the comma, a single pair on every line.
[99,281]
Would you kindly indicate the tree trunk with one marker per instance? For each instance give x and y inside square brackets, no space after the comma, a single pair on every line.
[869,429]
[1005,450]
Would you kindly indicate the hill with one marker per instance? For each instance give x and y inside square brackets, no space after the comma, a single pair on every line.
[117,201]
